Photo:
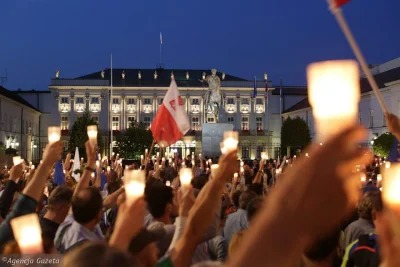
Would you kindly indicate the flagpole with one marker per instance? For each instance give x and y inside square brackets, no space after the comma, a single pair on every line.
[337,12]
[255,95]
[280,105]
[111,99]
[161,41]
[268,118]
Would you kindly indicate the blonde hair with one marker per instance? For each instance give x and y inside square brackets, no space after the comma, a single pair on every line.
[235,242]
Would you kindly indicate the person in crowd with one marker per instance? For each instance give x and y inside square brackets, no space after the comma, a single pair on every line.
[254,207]
[364,225]
[57,209]
[238,220]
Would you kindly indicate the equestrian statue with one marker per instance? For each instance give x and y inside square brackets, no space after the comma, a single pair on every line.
[214,99]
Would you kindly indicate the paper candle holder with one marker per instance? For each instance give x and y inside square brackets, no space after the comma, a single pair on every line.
[54,134]
[92,133]
[17,160]
[333,83]
[214,170]
[28,233]
[134,181]
[185,176]
[230,142]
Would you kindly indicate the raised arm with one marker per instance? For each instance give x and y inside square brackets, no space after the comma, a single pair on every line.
[91,164]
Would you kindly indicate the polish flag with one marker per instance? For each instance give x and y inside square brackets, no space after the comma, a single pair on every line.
[171,121]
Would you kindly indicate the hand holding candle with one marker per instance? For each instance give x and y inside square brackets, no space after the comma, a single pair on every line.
[134,182]
[185,176]
[28,234]
[231,140]
[92,133]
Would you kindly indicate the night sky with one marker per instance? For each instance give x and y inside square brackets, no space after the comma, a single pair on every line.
[241,37]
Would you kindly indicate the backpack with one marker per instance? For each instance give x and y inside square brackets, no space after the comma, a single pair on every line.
[362,253]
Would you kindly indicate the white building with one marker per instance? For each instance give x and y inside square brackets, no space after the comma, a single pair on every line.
[138,93]
[371,116]
[19,128]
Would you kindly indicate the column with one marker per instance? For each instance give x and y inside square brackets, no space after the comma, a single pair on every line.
[87,98]
[202,111]
[123,118]
[104,115]
[71,117]
[138,107]
[238,119]
[252,120]
[29,147]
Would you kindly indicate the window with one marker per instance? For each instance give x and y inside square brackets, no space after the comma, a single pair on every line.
[147,121]
[95,118]
[258,151]
[259,123]
[115,123]
[230,101]
[64,123]
[64,100]
[147,101]
[160,100]
[259,101]
[277,152]
[245,123]
[210,119]
[231,120]
[245,101]
[95,100]
[195,123]
[131,120]
[79,100]
[131,101]
[195,101]
[115,101]
[371,118]
[245,152]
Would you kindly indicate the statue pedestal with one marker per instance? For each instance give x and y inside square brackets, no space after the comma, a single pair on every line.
[212,136]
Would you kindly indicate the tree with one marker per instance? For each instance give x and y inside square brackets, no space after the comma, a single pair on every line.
[383,144]
[133,141]
[295,133]
[79,135]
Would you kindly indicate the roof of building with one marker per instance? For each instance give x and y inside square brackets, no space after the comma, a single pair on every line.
[15,97]
[291,90]
[381,79]
[32,91]
[147,77]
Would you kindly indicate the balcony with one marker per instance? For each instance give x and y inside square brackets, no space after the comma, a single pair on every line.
[80,107]
[230,108]
[147,108]
[95,108]
[64,108]
[259,108]
[130,108]
[195,109]
[245,108]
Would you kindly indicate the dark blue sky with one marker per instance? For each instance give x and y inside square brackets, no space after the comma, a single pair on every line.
[241,37]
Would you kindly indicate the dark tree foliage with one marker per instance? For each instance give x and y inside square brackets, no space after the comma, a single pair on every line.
[133,141]
[295,133]
[383,144]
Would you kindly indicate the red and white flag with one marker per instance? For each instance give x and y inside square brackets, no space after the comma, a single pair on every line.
[171,121]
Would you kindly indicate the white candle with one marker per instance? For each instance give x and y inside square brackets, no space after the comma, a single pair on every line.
[163,159]
[241,164]
[200,155]
[379,178]
[108,168]
[146,151]
[168,183]
[30,163]
[231,141]
[391,183]
[264,155]
[185,176]
[332,84]
[113,153]
[214,170]
[158,154]
[17,160]
[28,234]
[193,163]
[363,178]
[97,163]
[235,176]
[92,133]
[387,164]
[126,167]
[32,167]
[54,134]
[92,174]
[134,182]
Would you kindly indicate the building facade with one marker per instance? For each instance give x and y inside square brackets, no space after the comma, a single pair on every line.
[19,128]
[138,93]
[370,114]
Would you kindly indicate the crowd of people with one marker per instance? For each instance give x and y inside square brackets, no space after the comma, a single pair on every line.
[321,208]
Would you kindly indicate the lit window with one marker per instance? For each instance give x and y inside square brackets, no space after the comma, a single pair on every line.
[160,101]
[64,100]
[147,121]
[245,123]
[245,151]
[131,101]
[131,121]
[147,101]
[195,101]
[259,123]
[115,123]
[115,101]
[64,123]
[259,101]
[79,100]
[195,123]
[95,100]
[95,118]
[230,101]
[245,101]
[231,120]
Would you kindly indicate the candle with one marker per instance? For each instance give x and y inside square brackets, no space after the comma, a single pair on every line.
[387,164]
[32,167]
[146,151]
[108,168]
[5,166]
[264,155]
[134,181]
[141,157]
[30,163]
[28,234]
[214,170]
[230,141]
[159,166]
[193,163]
[117,154]
[241,164]
[363,178]
[192,154]
[158,154]
[168,183]
[235,176]
[17,160]
[185,176]
[92,133]
[200,155]
[333,83]
[126,167]
[241,169]
[170,160]
[97,163]
[92,174]
[54,134]
[163,159]
[99,156]
[392,186]
[42,161]
[64,171]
